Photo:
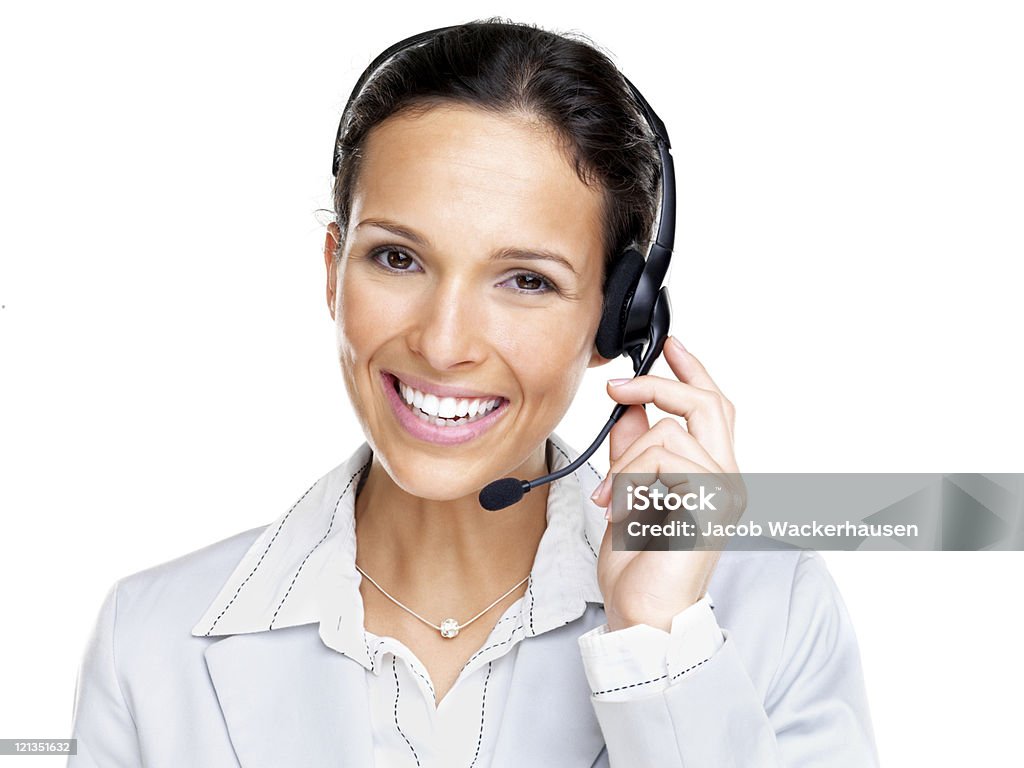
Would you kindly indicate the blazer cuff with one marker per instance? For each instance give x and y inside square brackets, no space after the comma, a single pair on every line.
[641,660]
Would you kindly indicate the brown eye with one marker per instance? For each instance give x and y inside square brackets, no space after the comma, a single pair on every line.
[529,282]
[398,260]
[393,259]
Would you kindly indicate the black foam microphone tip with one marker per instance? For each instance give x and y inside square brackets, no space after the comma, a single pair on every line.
[501,493]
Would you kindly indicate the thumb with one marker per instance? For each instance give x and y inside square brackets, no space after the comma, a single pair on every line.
[629,427]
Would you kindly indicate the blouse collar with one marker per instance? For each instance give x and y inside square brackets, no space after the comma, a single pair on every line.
[301,569]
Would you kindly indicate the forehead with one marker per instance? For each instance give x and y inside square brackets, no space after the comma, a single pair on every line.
[502,179]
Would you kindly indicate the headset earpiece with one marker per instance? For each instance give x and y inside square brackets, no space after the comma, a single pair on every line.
[618,296]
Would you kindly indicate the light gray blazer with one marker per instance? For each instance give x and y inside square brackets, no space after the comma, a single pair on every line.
[785,689]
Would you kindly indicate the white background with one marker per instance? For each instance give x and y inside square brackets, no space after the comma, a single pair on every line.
[850,199]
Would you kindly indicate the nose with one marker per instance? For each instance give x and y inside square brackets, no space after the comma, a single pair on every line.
[450,328]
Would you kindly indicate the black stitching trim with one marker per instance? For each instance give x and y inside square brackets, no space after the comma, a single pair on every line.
[372,654]
[260,561]
[589,465]
[366,644]
[632,685]
[653,679]
[373,660]
[564,454]
[677,674]
[494,645]
[426,680]
[589,545]
[530,590]
[483,706]
[394,669]
[322,538]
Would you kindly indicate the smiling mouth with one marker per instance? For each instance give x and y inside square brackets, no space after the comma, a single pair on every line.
[444,411]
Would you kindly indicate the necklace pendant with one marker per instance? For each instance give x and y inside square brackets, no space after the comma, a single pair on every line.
[449,628]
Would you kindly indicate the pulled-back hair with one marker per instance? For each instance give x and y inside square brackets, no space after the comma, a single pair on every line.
[506,68]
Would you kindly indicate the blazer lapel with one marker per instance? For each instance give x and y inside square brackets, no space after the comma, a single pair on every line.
[288,699]
[549,719]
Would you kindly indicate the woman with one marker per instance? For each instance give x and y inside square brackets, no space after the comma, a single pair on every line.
[488,178]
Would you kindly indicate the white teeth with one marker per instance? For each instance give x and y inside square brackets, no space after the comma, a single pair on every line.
[445,411]
[430,404]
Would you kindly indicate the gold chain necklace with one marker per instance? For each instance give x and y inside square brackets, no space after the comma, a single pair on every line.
[448,628]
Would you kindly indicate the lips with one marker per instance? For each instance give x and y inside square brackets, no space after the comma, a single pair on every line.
[444,416]
[440,390]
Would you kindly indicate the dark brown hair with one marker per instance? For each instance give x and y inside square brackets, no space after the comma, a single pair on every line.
[508,67]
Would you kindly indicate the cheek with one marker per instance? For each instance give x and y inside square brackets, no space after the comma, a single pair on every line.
[361,317]
[550,359]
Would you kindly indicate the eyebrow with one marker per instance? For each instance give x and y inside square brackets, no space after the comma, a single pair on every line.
[394,229]
[536,254]
[526,254]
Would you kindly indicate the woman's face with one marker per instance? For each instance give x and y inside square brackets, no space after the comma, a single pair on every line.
[470,278]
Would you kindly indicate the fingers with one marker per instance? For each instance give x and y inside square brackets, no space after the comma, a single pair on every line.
[645,469]
[704,445]
[688,368]
[630,426]
[703,409]
[669,434]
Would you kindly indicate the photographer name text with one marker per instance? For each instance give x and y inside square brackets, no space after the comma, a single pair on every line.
[642,498]
[776,528]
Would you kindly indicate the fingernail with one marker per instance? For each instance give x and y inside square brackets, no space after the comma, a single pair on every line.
[608,515]
[618,382]
[678,343]
[600,489]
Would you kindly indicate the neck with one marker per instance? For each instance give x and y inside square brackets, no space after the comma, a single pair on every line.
[425,547]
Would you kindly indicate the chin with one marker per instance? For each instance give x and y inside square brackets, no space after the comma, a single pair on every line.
[434,479]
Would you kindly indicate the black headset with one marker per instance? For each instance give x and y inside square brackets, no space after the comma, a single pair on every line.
[636,314]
